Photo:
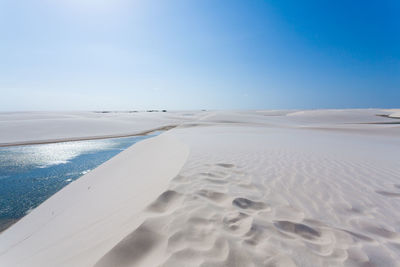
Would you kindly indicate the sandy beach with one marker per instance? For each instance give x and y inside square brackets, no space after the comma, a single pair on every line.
[221,188]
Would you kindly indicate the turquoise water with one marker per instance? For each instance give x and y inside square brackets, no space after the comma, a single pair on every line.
[31,174]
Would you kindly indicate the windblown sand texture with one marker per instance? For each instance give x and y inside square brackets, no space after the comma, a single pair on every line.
[266,188]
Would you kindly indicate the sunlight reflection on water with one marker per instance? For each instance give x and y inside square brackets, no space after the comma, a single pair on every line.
[31,174]
[45,155]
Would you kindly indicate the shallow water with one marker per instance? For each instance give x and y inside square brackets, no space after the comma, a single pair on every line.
[31,174]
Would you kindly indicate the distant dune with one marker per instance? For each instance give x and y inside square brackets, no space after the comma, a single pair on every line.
[223,188]
[395,114]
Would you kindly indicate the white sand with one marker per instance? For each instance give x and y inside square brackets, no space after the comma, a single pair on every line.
[265,188]
[394,113]
[36,127]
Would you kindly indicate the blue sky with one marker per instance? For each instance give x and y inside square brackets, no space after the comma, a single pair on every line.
[195,54]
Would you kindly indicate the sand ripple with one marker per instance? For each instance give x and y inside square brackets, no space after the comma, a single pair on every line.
[273,205]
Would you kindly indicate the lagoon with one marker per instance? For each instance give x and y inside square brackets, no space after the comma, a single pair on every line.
[30,174]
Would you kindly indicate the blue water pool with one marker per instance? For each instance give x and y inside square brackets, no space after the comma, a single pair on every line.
[30,174]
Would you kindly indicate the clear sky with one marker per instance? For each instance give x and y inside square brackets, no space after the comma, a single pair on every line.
[195,54]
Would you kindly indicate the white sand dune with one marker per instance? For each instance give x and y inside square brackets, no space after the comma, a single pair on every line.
[394,113]
[310,188]
[37,127]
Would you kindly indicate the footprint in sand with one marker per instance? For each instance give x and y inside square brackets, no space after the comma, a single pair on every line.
[237,222]
[298,229]
[245,203]
[256,234]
